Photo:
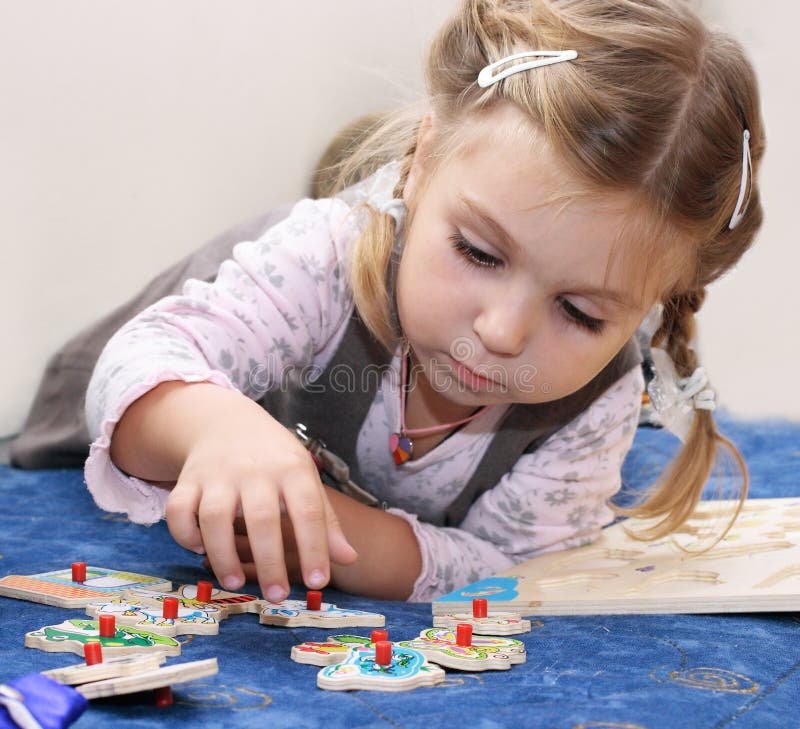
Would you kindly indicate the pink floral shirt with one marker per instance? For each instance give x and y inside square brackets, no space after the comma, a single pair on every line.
[282,301]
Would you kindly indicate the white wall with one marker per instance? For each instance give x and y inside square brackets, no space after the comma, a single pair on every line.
[750,324]
[131,132]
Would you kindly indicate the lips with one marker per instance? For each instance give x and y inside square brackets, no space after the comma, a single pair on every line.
[468,376]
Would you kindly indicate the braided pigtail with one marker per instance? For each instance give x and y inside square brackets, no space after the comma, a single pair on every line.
[373,292]
[674,496]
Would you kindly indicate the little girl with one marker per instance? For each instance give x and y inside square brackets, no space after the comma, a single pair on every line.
[460,325]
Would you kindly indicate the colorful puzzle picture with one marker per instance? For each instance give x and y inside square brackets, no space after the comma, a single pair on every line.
[151,615]
[57,588]
[755,568]
[405,669]
[217,604]
[71,636]
[299,613]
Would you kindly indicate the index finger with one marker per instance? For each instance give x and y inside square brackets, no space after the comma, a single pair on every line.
[305,505]
[262,516]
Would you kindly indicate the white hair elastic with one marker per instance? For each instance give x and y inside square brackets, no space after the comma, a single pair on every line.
[676,398]
[487,77]
[747,171]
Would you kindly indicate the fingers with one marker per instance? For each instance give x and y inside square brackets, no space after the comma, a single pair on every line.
[262,516]
[215,515]
[181,515]
[243,548]
[292,569]
[341,550]
[305,506]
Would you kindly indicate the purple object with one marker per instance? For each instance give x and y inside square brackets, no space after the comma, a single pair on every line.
[35,701]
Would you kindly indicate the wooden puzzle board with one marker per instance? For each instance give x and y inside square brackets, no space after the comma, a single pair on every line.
[755,568]
[57,588]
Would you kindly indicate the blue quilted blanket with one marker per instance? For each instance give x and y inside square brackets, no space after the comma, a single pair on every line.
[606,672]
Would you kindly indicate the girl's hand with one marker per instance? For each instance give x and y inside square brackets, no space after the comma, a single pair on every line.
[245,553]
[246,464]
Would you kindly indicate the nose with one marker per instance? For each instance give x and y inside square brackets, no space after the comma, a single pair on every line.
[504,327]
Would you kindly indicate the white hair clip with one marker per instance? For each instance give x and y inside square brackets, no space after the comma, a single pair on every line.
[486,77]
[747,171]
[676,398]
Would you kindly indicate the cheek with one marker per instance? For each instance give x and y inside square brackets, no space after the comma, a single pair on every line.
[431,288]
[574,366]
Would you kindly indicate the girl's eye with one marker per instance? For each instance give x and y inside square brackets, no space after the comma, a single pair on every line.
[576,316]
[474,256]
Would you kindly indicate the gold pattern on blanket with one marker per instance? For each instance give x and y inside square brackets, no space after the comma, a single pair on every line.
[220,696]
[711,679]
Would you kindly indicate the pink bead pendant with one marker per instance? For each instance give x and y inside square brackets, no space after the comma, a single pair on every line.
[401,448]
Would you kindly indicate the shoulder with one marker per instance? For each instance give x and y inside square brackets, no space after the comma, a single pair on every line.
[328,227]
[611,417]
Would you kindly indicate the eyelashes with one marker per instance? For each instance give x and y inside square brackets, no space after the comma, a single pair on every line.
[595,326]
[478,258]
[474,255]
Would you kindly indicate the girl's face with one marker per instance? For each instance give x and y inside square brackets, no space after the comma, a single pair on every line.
[490,284]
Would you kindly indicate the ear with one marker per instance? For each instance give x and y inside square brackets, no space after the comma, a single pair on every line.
[427,132]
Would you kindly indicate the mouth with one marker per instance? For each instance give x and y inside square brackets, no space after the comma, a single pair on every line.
[472,379]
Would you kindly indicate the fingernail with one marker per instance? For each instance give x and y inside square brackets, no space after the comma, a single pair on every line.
[231,583]
[316,579]
[198,550]
[275,593]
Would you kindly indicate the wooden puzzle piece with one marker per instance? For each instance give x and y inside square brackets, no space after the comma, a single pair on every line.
[58,588]
[296,613]
[150,615]
[458,649]
[227,603]
[112,667]
[484,622]
[496,623]
[334,650]
[72,635]
[404,670]
[158,678]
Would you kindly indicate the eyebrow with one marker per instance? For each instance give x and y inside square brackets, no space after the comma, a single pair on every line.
[476,211]
[473,209]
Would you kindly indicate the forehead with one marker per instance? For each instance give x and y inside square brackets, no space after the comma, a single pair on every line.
[504,167]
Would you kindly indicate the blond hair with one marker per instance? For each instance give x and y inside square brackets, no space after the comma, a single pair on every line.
[655,105]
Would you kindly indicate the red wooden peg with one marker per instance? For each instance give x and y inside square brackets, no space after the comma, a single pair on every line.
[313,600]
[464,635]
[383,653]
[170,611]
[379,635]
[93,652]
[480,607]
[79,571]
[108,626]
[163,696]
[204,591]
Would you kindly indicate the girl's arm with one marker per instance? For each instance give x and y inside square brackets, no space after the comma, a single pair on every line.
[389,560]
[171,402]
[554,498]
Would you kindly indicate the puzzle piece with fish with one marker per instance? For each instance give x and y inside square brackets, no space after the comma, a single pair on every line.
[381,667]
[461,650]
[312,612]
